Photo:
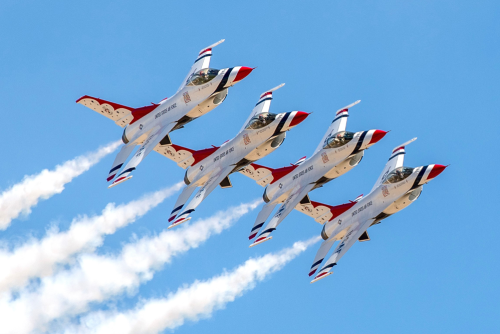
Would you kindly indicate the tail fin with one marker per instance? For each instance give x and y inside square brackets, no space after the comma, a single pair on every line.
[339,124]
[181,201]
[396,160]
[263,104]
[261,218]
[320,255]
[120,114]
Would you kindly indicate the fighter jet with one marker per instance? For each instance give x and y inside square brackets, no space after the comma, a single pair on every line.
[261,134]
[202,90]
[338,152]
[395,189]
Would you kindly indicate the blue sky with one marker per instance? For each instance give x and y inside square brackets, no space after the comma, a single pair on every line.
[421,68]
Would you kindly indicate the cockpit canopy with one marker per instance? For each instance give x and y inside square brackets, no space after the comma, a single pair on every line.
[339,139]
[261,120]
[398,175]
[202,77]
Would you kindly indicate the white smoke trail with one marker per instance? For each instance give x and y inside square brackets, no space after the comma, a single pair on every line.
[199,300]
[97,277]
[38,258]
[21,197]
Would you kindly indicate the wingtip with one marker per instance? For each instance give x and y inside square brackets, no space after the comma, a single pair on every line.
[319,277]
[179,222]
[275,88]
[81,98]
[257,242]
[118,181]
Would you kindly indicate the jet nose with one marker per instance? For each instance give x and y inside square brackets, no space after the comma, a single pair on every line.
[377,135]
[243,72]
[298,118]
[435,171]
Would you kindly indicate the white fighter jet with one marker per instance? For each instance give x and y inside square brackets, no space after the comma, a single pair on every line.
[261,134]
[202,90]
[396,188]
[338,152]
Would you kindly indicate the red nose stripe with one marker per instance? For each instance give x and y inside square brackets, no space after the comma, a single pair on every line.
[377,135]
[436,170]
[242,73]
[299,117]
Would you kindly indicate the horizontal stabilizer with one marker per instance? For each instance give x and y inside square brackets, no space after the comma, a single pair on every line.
[267,209]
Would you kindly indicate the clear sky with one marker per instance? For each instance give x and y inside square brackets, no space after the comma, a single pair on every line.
[426,69]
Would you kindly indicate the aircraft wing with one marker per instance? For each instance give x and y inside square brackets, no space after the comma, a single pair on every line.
[260,174]
[202,61]
[293,199]
[339,124]
[184,157]
[152,140]
[120,114]
[351,236]
[396,160]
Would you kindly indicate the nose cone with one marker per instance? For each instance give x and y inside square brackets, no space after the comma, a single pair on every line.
[436,170]
[377,135]
[298,117]
[242,73]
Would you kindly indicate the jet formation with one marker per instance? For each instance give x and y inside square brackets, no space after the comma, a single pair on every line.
[287,188]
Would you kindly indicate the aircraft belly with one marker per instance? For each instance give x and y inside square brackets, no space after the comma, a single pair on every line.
[260,151]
